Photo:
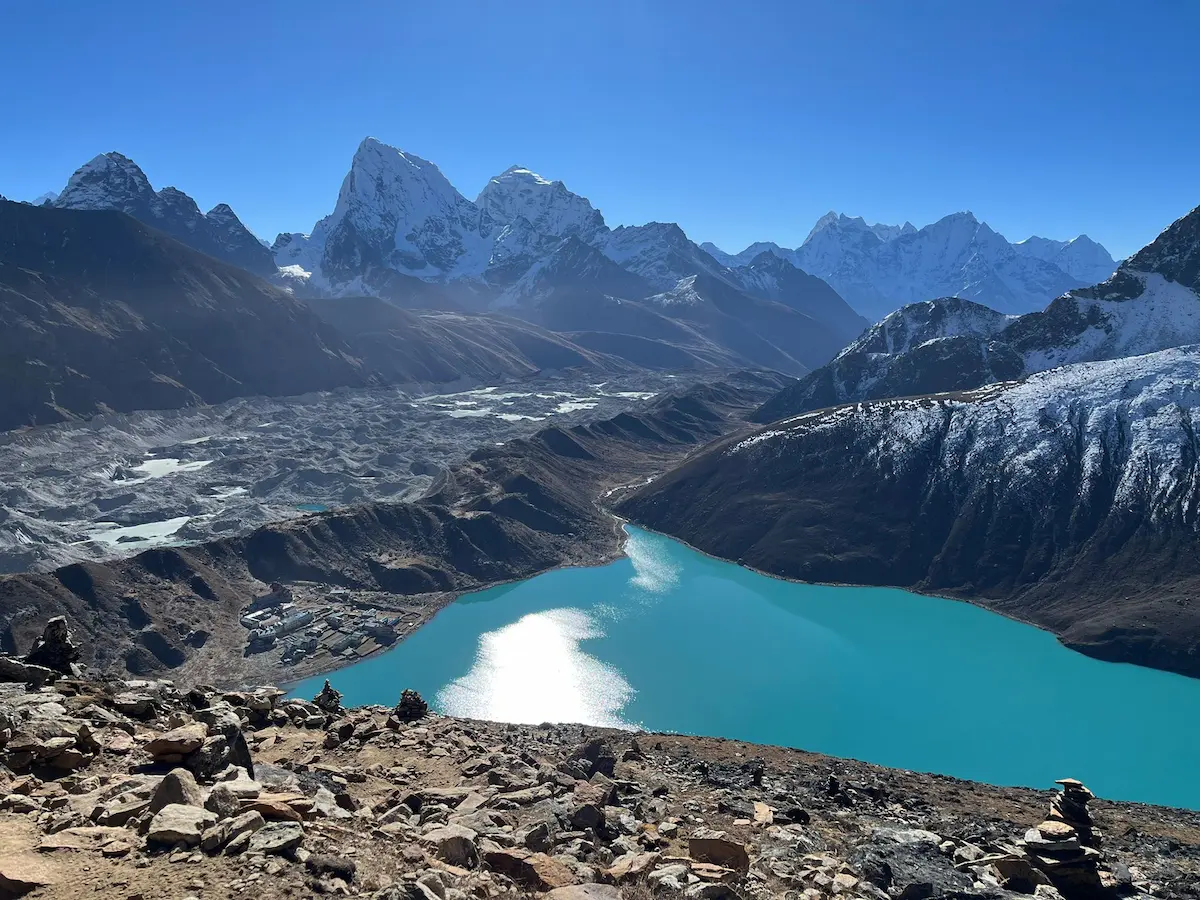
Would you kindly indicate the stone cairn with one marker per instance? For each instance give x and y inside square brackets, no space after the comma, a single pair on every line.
[55,649]
[412,706]
[1064,847]
[329,701]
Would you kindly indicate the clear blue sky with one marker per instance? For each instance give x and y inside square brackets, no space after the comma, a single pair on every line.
[740,121]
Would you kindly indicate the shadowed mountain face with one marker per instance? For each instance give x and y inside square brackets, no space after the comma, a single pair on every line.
[99,312]
[113,181]
[436,347]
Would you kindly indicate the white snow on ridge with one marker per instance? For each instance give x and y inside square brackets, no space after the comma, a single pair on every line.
[1166,314]
[1138,415]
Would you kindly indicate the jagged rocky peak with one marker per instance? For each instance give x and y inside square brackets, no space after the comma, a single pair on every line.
[108,181]
[384,180]
[395,211]
[1174,254]
[660,252]
[114,181]
[549,206]
[840,223]
[222,213]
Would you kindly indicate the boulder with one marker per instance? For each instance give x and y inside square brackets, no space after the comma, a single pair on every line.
[220,750]
[178,824]
[632,866]
[19,672]
[178,741]
[454,844]
[178,787]
[277,837]
[21,873]
[324,865]
[908,864]
[223,802]
[718,848]
[135,705]
[534,871]
[275,808]
[585,892]
[596,756]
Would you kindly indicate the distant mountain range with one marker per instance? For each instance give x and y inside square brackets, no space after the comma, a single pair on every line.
[1045,465]
[1151,303]
[878,268]
[401,231]
[526,247]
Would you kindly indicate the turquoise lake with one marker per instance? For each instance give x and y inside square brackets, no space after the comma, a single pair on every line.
[668,639]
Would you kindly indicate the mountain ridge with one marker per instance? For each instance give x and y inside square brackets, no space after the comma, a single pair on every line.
[1066,500]
[879,268]
[1151,303]
[114,181]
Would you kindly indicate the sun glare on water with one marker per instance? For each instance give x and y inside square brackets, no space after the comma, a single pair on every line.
[534,671]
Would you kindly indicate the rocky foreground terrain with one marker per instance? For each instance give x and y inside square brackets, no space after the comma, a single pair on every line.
[144,789]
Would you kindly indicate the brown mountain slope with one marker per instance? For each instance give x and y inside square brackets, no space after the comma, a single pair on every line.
[99,312]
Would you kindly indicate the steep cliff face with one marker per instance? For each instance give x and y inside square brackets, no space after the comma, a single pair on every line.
[1070,500]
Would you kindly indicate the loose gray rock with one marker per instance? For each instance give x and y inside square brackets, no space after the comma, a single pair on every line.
[223,802]
[177,787]
[179,824]
[454,844]
[277,837]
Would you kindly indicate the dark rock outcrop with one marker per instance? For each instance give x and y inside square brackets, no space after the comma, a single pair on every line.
[113,181]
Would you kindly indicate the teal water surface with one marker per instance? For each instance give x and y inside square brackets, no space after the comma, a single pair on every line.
[312,507]
[668,639]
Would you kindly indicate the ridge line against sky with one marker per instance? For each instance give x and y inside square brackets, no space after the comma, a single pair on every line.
[741,125]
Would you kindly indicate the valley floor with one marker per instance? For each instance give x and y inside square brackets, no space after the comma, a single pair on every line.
[122,483]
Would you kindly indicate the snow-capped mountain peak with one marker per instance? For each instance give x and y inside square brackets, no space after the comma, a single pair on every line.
[747,256]
[395,212]
[549,206]
[1080,257]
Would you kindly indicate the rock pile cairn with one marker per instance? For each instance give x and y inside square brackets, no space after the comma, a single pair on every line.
[1070,806]
[329,701]
[1063,847]
[412,706]
[55,649]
